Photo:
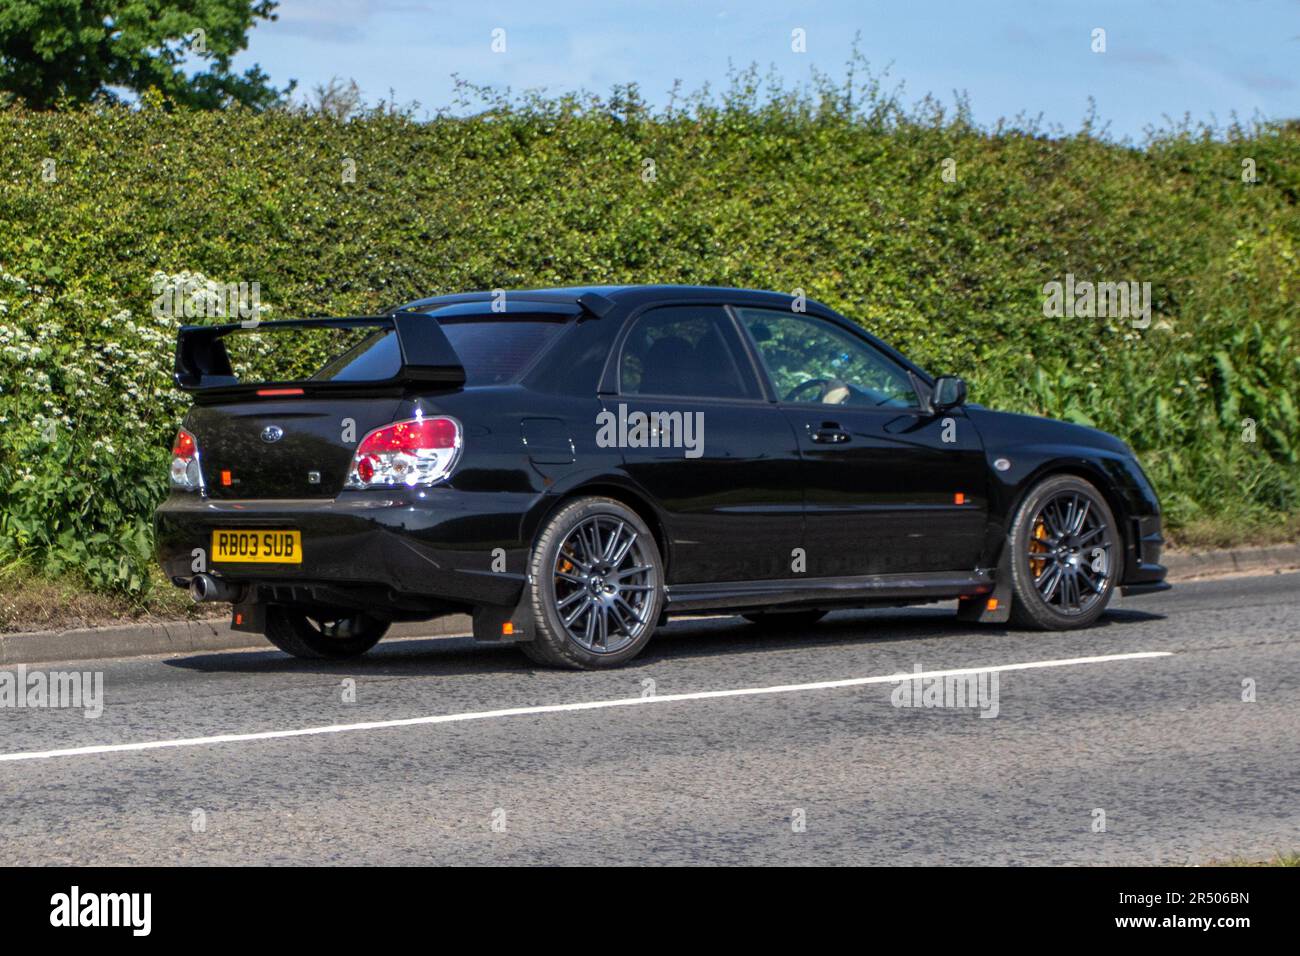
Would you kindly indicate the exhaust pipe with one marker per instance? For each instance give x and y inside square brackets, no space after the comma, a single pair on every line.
[204,587]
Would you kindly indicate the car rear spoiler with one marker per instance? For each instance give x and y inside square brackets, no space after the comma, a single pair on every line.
[203,364]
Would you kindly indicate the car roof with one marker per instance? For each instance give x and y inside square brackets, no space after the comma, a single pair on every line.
[630,298]
[622,295]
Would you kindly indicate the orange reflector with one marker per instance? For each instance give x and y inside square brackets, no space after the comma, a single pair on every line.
[507,628]
[992,605]
[268,392]
[959,499]
[225,478]
[239,619]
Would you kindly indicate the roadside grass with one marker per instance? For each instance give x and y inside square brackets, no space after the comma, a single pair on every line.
[1210,533]
[32,602]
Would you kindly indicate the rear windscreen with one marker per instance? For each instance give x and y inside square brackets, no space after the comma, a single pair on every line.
[294,354]
[495,351]
[492,350]
[373,359]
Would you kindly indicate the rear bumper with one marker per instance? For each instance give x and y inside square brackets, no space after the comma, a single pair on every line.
[439,547]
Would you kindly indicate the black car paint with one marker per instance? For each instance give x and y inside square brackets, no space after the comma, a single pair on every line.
[886,527]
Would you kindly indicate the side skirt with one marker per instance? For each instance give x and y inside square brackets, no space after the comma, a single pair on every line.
[837,592]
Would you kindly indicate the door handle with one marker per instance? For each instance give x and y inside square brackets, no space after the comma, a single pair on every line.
[830,433]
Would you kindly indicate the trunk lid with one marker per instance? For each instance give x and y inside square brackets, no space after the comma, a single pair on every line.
[317,438]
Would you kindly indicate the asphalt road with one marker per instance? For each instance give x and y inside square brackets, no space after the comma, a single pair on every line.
[1184,770]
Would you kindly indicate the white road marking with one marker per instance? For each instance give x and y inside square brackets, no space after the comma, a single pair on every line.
[565,708]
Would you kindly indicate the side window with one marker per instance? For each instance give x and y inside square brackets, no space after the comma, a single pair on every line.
[686,352]
[811,361]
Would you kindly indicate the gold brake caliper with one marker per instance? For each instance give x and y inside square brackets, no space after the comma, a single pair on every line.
[1038,549]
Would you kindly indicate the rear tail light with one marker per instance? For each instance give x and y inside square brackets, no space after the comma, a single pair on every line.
[186,474]
[418,451]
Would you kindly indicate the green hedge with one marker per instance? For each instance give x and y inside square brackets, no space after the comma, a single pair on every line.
[847,203]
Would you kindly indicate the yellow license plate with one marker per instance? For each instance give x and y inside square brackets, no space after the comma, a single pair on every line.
[261,547]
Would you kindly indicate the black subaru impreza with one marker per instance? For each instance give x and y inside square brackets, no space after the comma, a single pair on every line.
[573,466]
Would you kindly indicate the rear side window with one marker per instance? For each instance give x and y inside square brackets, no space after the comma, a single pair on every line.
[492,350]
[687,352]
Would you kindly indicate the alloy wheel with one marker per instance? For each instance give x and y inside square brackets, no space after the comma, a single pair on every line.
[1070,553]
[603,584]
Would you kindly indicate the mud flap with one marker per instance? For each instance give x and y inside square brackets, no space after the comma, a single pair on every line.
[504,625]
[249,616]
[995,607]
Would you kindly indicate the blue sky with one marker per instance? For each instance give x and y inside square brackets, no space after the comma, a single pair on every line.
[1163,57]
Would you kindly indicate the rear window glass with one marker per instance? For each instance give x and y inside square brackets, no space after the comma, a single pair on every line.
[492,351]
[289,354]
[375,358]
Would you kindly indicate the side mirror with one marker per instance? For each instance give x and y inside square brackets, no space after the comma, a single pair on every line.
[949,391]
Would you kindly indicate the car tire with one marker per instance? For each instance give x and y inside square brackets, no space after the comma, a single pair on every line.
[591,608]
[1067,555]
[781,620]
[294,632]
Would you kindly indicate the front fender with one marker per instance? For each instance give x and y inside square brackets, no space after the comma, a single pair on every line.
[1015,467]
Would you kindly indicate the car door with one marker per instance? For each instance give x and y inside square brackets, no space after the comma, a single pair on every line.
[698,436]
[888,486]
